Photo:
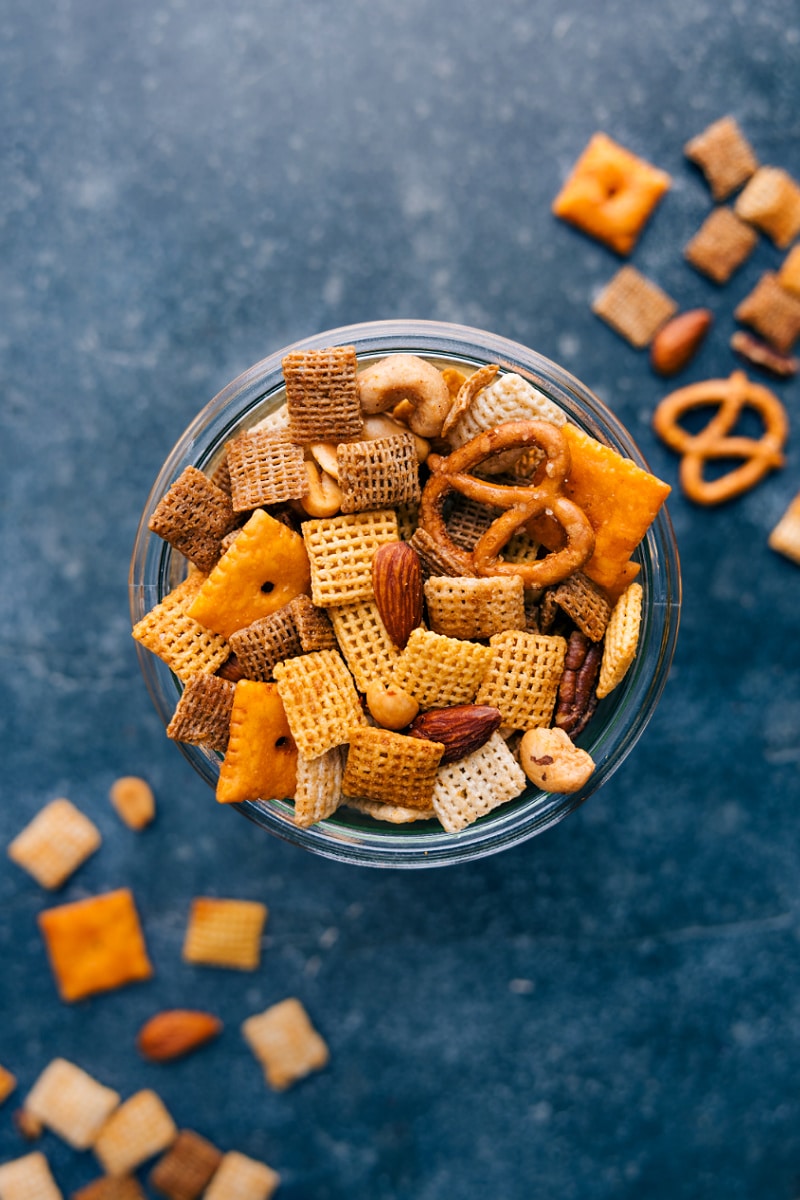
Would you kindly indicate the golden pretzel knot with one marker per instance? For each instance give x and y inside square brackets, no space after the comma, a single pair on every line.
[519,503]
[714,441]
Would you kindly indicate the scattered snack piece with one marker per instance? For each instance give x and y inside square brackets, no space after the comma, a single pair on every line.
[111,1187]
[187,647]
[379,473]
[71,1103]
[436,559]
[718,439]
[260,761]
[186,1168]
[193,517]
[176,1032]
[28,1178]
[552,762]
[286,1044]
[242,1178]
[771,202]
[27,1125]
[621,640]
[320,700]
[721,245]
[202,717]
[132,797]
[523,676]
[724,155]
[467,521]
[473,609]
[634,306]
[759,354]
[772,311]
[611,194]
[677,342]
[140,1128]
[322,400]
[466,394]
[789,273]
[340,551]
[95,945]
[319,787]
[265,468]
[471,787]
[225,933]
[55,843]
[584,603]
[785,537]
[8,1082]
[438,671]
[391,767]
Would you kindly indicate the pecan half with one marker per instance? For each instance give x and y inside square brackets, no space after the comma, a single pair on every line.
[577,698]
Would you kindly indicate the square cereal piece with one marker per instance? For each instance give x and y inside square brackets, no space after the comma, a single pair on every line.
[439,671]
[523,677]
[434,559]
[473,786]
[285,1043]
[225,933]
[468,520]
[140,1128]
[771,311]
[202,715]
[322,395]
[771,202]
[720,246]
[187,647]
[319,787]
[242,1178]
[785,536]
[70,1102]
[379,473]
[584,603]
[265,642]
[789,273]
[509,397]
[132,797]
[193,516]
[367,648]
[634,306]
[340,551]
[28,1178]
[186,1168]
[313,625]
[265,468]
[8,1082]
[391,767]
[111,1187]
[320,700]
[611,194]
[95,945]
[261,757]
[53,845]
[475,608]
[724,155]
[264,568]
[621,640]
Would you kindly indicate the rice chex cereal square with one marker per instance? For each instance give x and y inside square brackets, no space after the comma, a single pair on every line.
[286,1043]
[71,1103]
[140,1128]
[53,845]
[472,786]
[240,1177]
[28,1178]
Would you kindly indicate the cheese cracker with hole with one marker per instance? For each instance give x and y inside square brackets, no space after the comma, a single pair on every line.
[261,759]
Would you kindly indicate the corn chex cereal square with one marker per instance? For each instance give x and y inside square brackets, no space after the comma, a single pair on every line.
[322,395]
[225,933]
[473,786]
[391,767]
[193,516]
[319,786]
[340,551]
[621,640]
[634,306]
[202,715]
[265,468]
[54,844]
[475,608]
[771,311]
[186,1168]
[95,945]
[523,677]
[71,1103]
[378,473]
[140,1128]
[722,243]
[261,757]
[367,648]
[320,700]
[286,1043]
[771,202]
[724,155]
[28,1178]
[8,1082]
[438,670]
[239,1177]
[186,646]
[111,1187]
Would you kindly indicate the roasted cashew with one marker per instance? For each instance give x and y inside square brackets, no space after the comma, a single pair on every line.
[406,377]
[324,496]
[553,762]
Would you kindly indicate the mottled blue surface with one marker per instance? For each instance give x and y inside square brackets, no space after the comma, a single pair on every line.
[613,1009]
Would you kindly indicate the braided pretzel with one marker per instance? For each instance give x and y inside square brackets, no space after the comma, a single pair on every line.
[519,503]
[733,395]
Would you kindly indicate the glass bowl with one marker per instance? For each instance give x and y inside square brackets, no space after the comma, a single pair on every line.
[619,720]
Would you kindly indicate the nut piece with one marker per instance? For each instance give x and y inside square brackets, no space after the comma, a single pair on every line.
[397,584]
[677,342]
[391,707]
[461,728]
[552,762]
[175,1032]
[783,366]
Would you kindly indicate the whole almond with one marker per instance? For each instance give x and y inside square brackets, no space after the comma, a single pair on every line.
[397,584]
[175,1032]
[461,728]
[677,342]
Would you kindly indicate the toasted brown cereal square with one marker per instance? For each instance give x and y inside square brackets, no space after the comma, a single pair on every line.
[140,1128]
[265,568]
[186,1168]
[186,646]
[71,1103]
[634,306]
[261,757]
[320,699]
[53,845]
[771,202]
[378,473]
[193,516]
[473,609]
[367,648]
[468,520]
[313,625]
[132,797]
[265,468]
[621,640]
[771,311]
[391,767]
[473,786]
[202,715]
[340,551]
[438,670]
[111,1187]
[722,243]
[319,787]
[95,945]
[225,933]
[785,536]
[523,677]
[28,1178]
[724,155]
[611,193]
[434,559]
[789,273]
[8,1082]
[242,1178]
[286,1043]
[322,395]
[265,642]
[584,603]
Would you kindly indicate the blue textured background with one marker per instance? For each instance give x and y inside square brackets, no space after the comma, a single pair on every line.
[611,1010]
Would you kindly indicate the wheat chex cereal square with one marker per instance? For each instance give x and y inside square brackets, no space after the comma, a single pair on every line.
[8,1082]
[789,273]
[202,715]
[434,559]
[265,642]
[313,625]
[771,311]
[111,1187]
[193,516]
[139,1129]
[71,1103]
[468,520]
[239,1177]
[722,243]
[724,155]
[634,306]
[225,933]
[322,395]
[28,1178]
[523,677]
[319,787]
[53,845]
[584,603]
[367,648]
[391,767]
[771,202]
[320,700]
[439,671]
[95,945]
[475,608]
[473,786]
[340,551]
[186,1168]
[185,645]
[379,473]
[286,1043]
[265,468]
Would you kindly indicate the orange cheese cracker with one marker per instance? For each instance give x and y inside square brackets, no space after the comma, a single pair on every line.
[261,759]
[95,945]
